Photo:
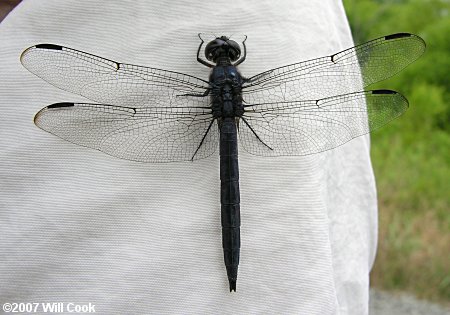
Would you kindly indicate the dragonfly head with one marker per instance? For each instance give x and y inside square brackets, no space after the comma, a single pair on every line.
[222,47]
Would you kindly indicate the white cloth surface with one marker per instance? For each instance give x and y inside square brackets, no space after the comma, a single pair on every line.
[80,226]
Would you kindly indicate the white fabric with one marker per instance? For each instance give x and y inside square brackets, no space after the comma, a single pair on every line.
[80,226]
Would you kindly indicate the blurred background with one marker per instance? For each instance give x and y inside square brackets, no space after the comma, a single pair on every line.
[6,6]
[411,157]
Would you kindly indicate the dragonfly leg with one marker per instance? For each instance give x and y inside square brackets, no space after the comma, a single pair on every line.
[256,135]
[206,93]
[237,63]
[203,139]
[203,62]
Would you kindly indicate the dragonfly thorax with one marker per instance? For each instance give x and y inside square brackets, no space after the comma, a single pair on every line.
[226,92]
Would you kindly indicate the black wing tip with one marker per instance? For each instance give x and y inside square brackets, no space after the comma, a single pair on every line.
[397,35]
[390,92]
[48,46]
[59,105]
[384,92]
[39,46]
[405,35]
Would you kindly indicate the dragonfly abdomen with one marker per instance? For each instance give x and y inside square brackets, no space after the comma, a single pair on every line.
[230,199]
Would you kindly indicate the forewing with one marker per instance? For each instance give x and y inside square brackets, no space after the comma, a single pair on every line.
[156,134]
[345,72]
[106,81]
[308,127]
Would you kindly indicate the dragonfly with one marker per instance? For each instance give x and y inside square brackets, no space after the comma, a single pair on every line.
[153,115]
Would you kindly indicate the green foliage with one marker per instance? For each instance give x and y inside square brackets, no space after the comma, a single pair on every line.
[411,156]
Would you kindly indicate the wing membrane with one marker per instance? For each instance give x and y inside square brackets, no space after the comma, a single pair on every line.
[345,72]
[156,134]
[106,81]
[150,118]
[308,127]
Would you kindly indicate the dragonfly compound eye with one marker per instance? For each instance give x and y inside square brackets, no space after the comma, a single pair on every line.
[234,51]
[222,47]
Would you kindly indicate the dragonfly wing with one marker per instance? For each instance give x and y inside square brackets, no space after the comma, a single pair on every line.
[345,72]
[106,81]
[154,134]
[308,127]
